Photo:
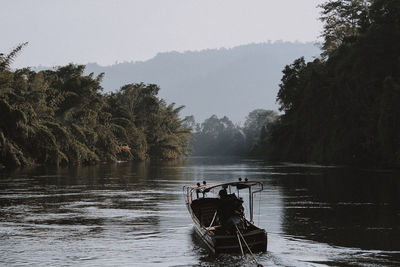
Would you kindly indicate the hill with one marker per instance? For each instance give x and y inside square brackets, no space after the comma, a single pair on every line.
[222,81]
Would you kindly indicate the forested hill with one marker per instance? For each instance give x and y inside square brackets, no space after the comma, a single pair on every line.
[216,81]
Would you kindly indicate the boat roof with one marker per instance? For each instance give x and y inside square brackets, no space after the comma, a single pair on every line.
[208,186]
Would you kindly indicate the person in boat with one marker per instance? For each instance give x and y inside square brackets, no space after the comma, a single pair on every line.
[230,211]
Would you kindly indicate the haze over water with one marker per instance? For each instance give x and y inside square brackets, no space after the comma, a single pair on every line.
[133,214]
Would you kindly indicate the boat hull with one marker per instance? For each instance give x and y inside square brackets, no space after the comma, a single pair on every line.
[257,241]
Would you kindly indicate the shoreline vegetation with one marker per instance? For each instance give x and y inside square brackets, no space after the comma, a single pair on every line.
[61,117]
[341,108]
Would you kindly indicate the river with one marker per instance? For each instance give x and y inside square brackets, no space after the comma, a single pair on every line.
[133,214]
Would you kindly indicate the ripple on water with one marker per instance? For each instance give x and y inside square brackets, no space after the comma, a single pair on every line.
[135,215]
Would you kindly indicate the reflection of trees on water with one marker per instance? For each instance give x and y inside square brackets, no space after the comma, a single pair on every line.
[343,207]
[125,195]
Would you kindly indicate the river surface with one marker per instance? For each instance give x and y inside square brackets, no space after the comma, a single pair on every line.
[133,214]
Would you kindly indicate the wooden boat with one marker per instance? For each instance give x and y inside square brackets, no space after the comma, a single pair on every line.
[204,205]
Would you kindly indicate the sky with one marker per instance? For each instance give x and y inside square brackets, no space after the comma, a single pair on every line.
[110,31]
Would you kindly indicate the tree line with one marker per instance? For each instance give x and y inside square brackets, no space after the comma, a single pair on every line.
[62,117]
[343,107]
[221,137]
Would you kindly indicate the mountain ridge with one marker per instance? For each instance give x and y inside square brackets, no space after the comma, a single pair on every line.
[224,81]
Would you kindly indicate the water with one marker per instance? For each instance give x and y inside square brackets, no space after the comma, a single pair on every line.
[133,214]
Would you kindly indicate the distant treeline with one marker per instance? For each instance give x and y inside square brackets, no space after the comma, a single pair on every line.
[62,117]
[221,137]
[344,107]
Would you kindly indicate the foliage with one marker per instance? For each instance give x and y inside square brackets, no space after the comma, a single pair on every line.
[219,136]
[5,61]
[257,127]
[343,20]
[344,108]
[62,117]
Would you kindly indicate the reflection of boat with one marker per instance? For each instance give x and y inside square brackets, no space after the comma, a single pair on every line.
[204,206]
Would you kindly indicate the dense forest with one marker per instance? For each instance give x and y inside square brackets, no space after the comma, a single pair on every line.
[62,117]
[343,108]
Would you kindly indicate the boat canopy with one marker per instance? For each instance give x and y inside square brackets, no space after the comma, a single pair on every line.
[197,189]
[204,188]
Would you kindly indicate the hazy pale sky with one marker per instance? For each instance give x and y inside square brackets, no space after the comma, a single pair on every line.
[106,31]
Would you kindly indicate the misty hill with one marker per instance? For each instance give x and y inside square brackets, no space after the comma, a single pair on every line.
[229,82]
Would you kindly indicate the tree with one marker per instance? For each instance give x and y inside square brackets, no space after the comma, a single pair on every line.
[256,127]
[5,61]
[290,88]
[343,20]
[218,136]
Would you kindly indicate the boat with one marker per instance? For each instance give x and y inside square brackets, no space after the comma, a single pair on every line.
[204,202]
